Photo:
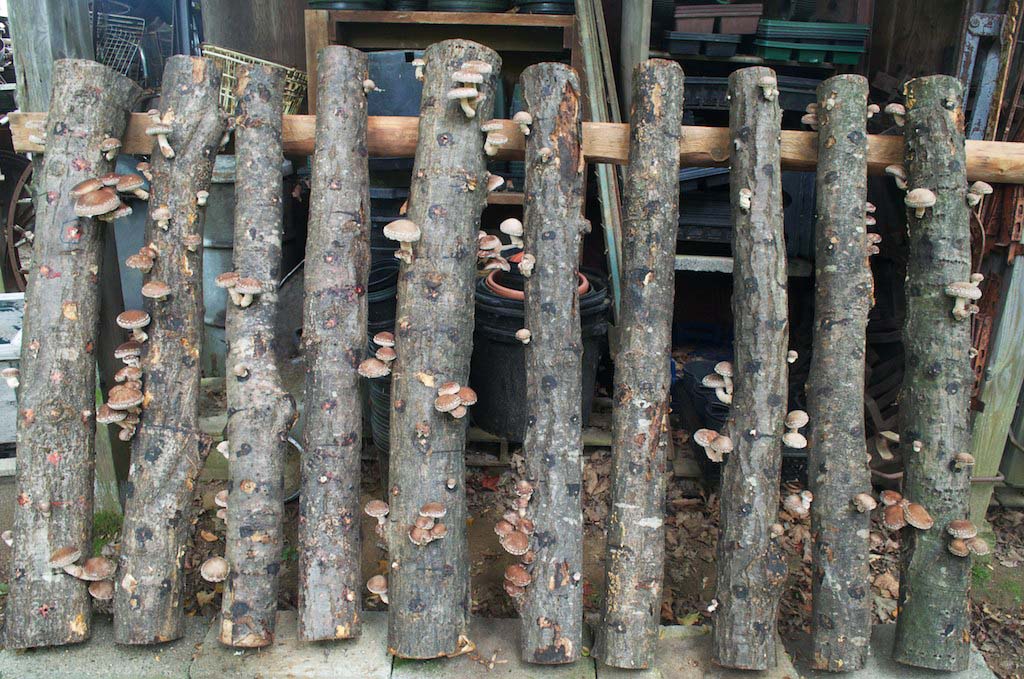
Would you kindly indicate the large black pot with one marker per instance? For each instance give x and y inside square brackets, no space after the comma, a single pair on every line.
[468,5]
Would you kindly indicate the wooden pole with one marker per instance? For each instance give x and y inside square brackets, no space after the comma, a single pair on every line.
[169,450]
[334,339]
[57,399]
[429,585]
[260,411]
[837,465]
[552,608]
[933,628]
[750,567]
[635,556]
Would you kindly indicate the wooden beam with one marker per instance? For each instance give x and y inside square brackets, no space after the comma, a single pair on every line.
[634,42]
[452,18]
[998,162]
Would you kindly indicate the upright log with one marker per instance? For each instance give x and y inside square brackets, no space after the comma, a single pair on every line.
[635,557]
[260,411]
[169,449]
[750,568]
[838,470]
[933,626]
[57,396]
[434,332]
[334,341]
[552,608]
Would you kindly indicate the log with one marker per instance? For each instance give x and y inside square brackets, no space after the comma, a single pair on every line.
[260,411]
[168,450]
[334,340]
[635,555]
[837,464]
[552,608]
[57,396]
[933,629]
[429,595]
[750,569]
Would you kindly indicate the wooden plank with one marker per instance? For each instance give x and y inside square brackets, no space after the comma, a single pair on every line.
[268,29]
[452,18]
[505,198]
[998,162]
[797,268]
[318,36]
[45,30]
[634,43]
[527,39]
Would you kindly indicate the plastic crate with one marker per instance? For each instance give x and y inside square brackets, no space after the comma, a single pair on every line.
[709,93]
[705,44]
[809,53]
[735,19]
[229,62]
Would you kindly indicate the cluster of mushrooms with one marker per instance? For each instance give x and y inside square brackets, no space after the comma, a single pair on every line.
[514,530]
[100,197]
[454,399]
[721,381]
[467,77]
[215,569]
[490,248]
[98,571]
[242,290]
[379,365]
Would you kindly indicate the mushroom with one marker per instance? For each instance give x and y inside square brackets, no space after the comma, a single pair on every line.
[892,517]
[544,154]
[882,441]
[796,419]
[467,98]
[810,120]
[97,568]
[140,262]
[419,537]
[446,403]
[146,170]
[744,199]
[227,281]
[494,182]
[124,397]
[769,87]
[493,142]
[526,265]
[128,373]
[523,119]
[110,146]
[133,183]
[873,239]
[214,569]
[378,509]
[384,339]
[516,543]
[378,585]
[703,438]
[248,289]
[792,356]
[958,547]
[962,461]
[134,320]
[370,86]
[224,448]
[221,498]
[719,447]
[917,516]
[97,202]
[202,197]
[156,290]
[898,113]
[11,377]
[111,179]
[372,368]
[160,130]
[64,556]
[102,590]
[496,263]
[864,502]
[418,63]
[899,175]
[724,368]
[406,232]
[433,510]
[517,575]
[438,532]
[423,523]
[514,591]
[890,498]
[961,292]
[919,200]
[503,528]
[962,528]
[192,241]
[467,395]
[129,352]
[978,546]
[386,354]
[513,228]
[8,537]
[85,186]
[794,504]
[523,335]
[977,191]
[795,440]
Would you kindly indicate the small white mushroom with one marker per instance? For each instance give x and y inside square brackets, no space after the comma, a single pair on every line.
[467,98]
[977,191]
[873,109]
[493,142]
[418,63]
[919,200]
[370,86]
[811,120]
[962,292]
[526,265]
[898,113]
[745,196]
[899,175]
[524,335]
[524,120]
[769,87]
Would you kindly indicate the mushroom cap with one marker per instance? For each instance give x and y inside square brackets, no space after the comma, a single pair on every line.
[384,339]
[497,138]
[524,488]
[98,202]
[523,118]
[864,502]
[890,498]
[158,128]
[419,536]
[523,334]
[526,525]
[795,419]
[713,381]
[423,522]
[892,517]
[891,437]
[489,242]
[64,556]
[110,143]
[978,546]
[248,286]
[963,290]
[214,569]
[143,167]
[373,368]
[467,396]
[917,516]
[517,575]
[97,568]
[514,591]
[448,388]
[793,439]
[462,76]
[721,444]
[102,590]
[919,198]
[130,319]
[516,543]
[462,93]
[86,186]
[378,584]
[459,412]
[138,261]
[894,108]
[447,403]
[896,171]
[704,437]
[418,61]
[110,179]
[794,504]
[402,230]
[386,354]
[724,368]
[438,531]
[130,182]
[958,547]
[477,66]
[129,372]
[156,289]
[433,510]
[228,279]
[962,528]
[495,182]
[511,227]
[964,459]
[123,397]
[503,528]
[107,415]
[131,348]
[981,188]
[162,212]
[221,498]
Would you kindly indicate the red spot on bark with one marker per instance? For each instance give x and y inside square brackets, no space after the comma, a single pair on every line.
[23,499]
[53,458]
[52,197]
[28,416]
[47,272]
[89,347]
[81,164]
[72,233]
[360,290]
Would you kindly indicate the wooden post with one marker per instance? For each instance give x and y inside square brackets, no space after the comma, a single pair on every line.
[750,567]
[634,42]
[429,585]
[260,411]
[56,420]
[837,465]
[43,31]
[169,450]
[334,340]
[552,608]
[933,628]
[634,561]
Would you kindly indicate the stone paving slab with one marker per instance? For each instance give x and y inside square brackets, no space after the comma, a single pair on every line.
[362,658]
[101,658]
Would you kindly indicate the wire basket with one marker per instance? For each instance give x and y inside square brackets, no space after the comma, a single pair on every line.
[229,61]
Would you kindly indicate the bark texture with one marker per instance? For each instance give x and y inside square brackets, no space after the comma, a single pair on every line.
[260,411]
[750,569]
[552,609]
[429,584]
[933,626]
[57,396]
[334,341]
[168,450]
[635,556]
[838,470]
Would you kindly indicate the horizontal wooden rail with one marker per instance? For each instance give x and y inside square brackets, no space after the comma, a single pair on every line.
[396,137]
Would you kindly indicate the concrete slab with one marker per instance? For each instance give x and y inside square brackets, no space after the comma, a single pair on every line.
[101,658]
[684,652]
[362,658]
[880,664]
[492,636]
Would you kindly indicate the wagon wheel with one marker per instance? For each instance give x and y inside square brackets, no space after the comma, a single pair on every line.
[18,232]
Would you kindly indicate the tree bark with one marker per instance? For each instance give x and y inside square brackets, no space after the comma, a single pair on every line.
[434,333]
[750,569]
[334,341]
[635,557]
[260,411]
[933,626]
[169,449]
[552,609]
[838,470]
[57,396]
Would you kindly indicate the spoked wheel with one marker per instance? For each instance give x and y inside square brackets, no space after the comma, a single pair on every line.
[18,231]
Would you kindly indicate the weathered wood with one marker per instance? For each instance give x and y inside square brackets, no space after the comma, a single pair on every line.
[750,568]
[44,31]
[429,584]
[933,626]
[634,559]
[268,29]
[634,42]
[334,341]
[837,464]
[56,420]
[260,411]
[168,449]
[396,137]
[552,608]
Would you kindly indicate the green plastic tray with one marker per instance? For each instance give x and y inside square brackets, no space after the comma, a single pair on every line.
[809,53]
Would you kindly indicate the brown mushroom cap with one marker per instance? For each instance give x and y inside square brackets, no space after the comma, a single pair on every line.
[97,202]
[130,182]
[793,439]
[978,546]
[448,388]
[130,319]
[919,198]
[228,279]
[418,536]
[721,444]
[214,569]
[384,339]
[139,261]
[797,419]
[64,556]
[424,522]
[514,591]
[890,498]
[123,397]
[110,179]
[434,510]
[467,396]
[462,93]
[86,186]
[446,403]
[376,508]
[386,354]
[107,415]
[516,543]
[704,437]
[110,144]
[724,368]
[373,368]
[864,502]
[958,547]
[129,349]
[892,517]
[248,286]
[402,230]
[526,525]
[378,584]
[97,568]
[102,590]
[713,381]
[503,528]
[962,528]
[156,290]
[917,516]
[517,575]
[439,531]
[963,290]
[128,373]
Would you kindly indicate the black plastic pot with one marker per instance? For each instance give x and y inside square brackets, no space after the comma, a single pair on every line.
[468,5]
[407,5]
[381,300]
[544,7]
[498,371]
[346,4]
